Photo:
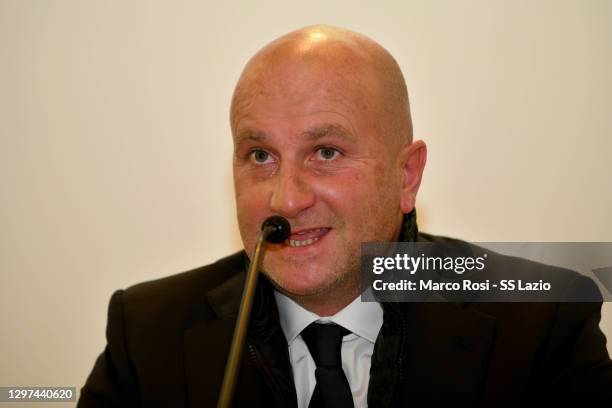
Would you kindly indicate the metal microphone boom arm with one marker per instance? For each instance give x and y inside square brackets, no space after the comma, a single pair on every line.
[274,229]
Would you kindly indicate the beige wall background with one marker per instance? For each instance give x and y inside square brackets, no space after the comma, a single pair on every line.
[115,145]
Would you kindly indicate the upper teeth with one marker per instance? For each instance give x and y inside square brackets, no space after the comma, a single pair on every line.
[304,242]
[296,243]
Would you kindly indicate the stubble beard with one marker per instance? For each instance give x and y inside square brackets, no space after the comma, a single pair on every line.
[344,280]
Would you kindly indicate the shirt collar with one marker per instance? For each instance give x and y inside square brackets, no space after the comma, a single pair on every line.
[362,318]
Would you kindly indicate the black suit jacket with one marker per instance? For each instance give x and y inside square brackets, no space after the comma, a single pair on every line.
[168,342]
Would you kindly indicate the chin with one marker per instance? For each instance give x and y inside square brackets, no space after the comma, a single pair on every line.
[300,283]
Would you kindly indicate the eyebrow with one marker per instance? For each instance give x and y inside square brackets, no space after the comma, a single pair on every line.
[315,133]
[250,135]
[332,129]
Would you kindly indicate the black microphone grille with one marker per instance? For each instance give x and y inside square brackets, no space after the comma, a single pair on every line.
[281,229]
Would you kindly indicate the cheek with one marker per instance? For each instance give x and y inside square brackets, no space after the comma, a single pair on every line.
[373,197]
[250,194]
[354,201]
[252,208]
[341,185]
[356,188]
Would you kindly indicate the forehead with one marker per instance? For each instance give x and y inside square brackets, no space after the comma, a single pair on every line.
[297,92]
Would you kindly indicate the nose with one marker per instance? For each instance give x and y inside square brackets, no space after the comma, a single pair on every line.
[292,193]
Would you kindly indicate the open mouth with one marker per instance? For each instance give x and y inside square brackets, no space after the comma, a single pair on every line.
[306,237]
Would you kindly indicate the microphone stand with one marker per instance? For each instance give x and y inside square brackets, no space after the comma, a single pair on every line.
[274,229]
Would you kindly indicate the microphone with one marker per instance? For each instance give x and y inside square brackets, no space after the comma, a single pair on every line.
[279,229]
[274,229]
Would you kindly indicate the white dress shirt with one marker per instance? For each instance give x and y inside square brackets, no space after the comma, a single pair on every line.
[363,319]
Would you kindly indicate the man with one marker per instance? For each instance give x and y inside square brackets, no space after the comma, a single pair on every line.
[323,137]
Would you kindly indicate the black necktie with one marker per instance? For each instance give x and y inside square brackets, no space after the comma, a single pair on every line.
[324,342]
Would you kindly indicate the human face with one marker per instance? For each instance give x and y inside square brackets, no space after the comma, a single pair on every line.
[316,156]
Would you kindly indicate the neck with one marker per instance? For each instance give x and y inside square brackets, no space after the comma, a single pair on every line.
[328,303]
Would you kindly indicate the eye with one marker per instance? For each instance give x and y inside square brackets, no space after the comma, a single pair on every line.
[327,153]
[260,156]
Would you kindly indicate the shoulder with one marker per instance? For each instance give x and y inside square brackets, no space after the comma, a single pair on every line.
[567,285]
[190,283]
[179,298]
[561,329]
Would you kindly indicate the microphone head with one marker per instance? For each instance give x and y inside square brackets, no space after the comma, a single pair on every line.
[281,229]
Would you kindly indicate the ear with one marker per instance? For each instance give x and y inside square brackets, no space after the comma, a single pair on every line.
[413,158]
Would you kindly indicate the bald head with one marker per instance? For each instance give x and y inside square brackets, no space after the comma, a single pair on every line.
[334,63]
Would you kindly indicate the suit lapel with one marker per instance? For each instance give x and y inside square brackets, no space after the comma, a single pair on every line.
[265,372]
[206,346]
[206,343]
[453,353]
